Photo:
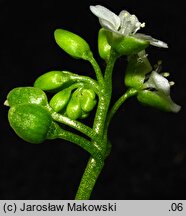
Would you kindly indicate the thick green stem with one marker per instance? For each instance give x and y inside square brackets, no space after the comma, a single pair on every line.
[105,97]
[94,166]
[89,179]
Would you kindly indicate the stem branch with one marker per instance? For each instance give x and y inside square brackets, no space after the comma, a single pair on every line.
[118,103]
[76,125]
[116,106]
[94,150]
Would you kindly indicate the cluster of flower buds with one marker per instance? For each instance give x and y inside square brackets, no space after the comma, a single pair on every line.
[30,113]
[70,100]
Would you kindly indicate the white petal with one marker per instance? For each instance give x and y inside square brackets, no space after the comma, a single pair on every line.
[6,103]
[124,21]
[174,107]
[129,23]
[153,41]
[158,43]
[143,36]
[123,15]
[158,82]
[107,25]
[106,16]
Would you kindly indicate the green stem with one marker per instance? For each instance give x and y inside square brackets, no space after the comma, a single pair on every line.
[75,124]
[94,150]
[97,70]
[105,97]
[89,81]
[76,85]
[108,72]
[94,167]
[89,179]
[129,93]
[118,103]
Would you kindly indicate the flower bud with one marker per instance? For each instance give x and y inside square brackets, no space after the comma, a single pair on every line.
[53,80]
[87,100]
[26,95]
[157,100]
[103,45]
[73,110]
[126,45]
[60,100]
[72,44]
[84,114]
[31,122]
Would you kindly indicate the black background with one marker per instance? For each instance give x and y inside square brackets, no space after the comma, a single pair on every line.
[149,147]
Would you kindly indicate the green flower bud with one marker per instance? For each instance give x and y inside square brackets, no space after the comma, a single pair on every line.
[73,44]
[31,122]
[158,100]
[103,45]
[53,80]
[60,100]
[87,100]
[84,114]
[127,45]
[73,110]
[26,95]
[138,66]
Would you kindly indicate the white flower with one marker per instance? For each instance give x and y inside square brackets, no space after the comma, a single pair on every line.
[123,25]
[158,82]
[162,86]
